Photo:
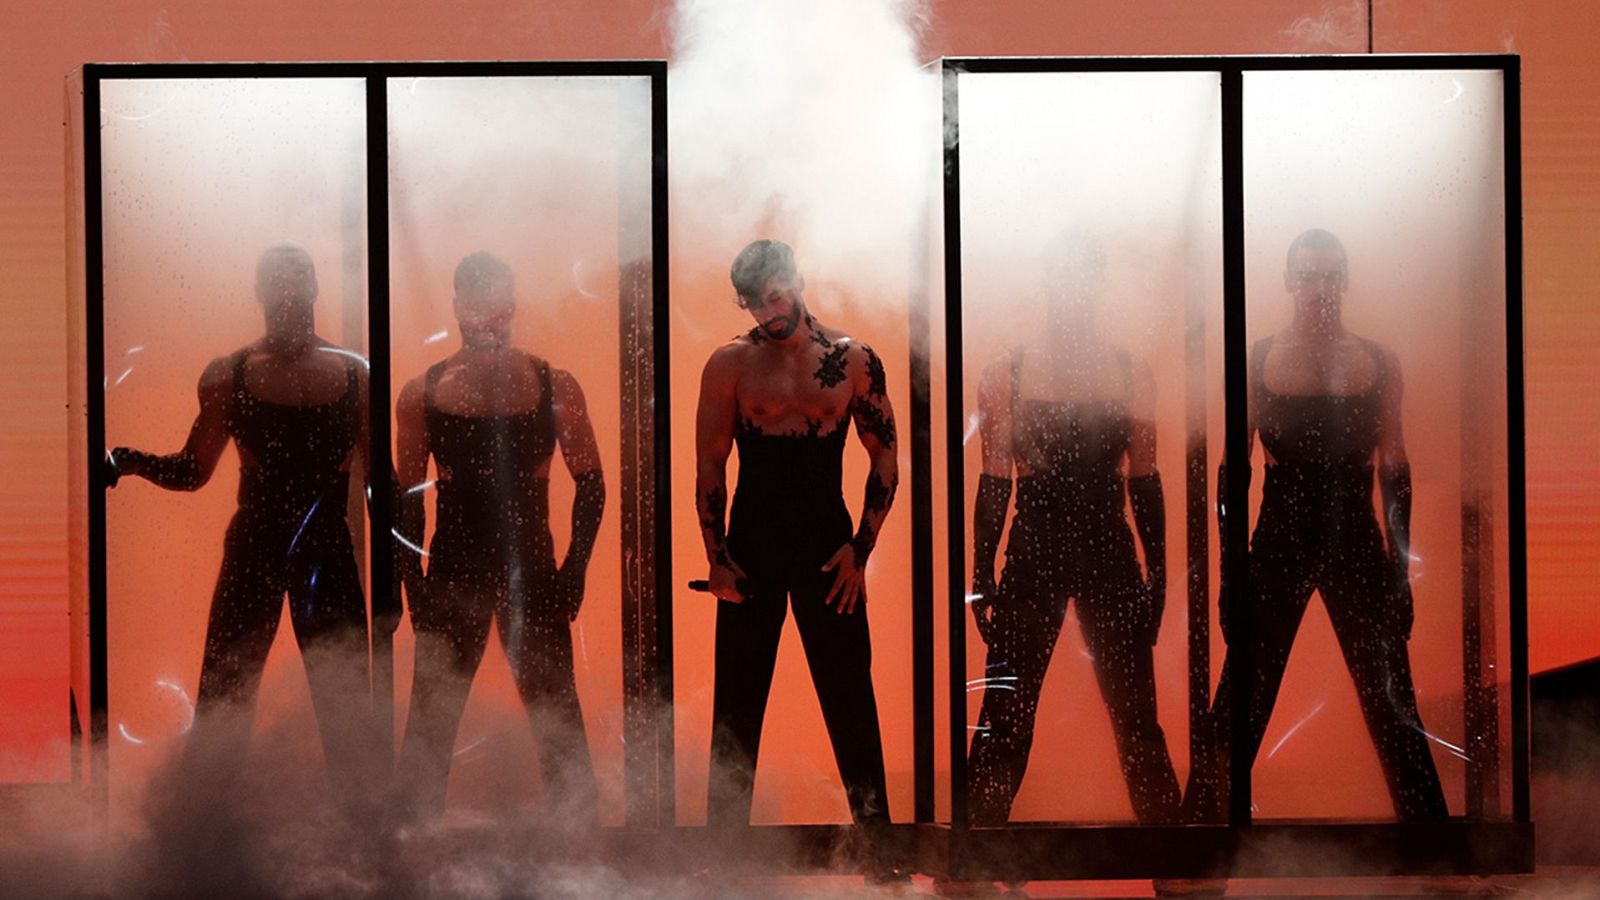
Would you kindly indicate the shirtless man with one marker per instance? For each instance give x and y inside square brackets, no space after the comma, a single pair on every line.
[1072,416]
[1326,404]
[295,405]
[492,416]
[785,392]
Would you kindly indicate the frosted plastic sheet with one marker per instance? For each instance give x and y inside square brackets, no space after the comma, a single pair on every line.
[551,177]
[1405,168]
[1091,298]
[199,178]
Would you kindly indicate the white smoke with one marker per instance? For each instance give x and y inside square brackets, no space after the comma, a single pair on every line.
[1340,28]
[808,121]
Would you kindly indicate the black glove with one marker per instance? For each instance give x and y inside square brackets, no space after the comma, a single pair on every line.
[1400,591]
[569,589]
[1394,483]
[1153,604]
[1150,519]
[110,471]
[988,519]
[984,594]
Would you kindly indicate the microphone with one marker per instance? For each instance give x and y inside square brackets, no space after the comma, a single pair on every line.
[704,586]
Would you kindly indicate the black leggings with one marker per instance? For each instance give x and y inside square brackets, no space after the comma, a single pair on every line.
[1348,566]
[263,557]
[452,629]
[839,654]
[1034,590]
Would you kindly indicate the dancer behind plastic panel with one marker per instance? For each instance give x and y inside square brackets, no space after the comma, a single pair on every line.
[1327,403]
[491,416]
[785,393]
[296,407]
[1066,412]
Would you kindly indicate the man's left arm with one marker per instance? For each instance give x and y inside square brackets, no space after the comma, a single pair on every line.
[1394,484]
[874,419]
[581,452]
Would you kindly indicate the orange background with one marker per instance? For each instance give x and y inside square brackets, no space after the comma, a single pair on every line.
[1561,206]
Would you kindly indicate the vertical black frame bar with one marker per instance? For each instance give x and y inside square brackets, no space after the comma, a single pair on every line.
[639,525]
[95,382]
[1516,448]
[956,499]
[380,480]
[922,602]
[666,765]
[1236,452]
[1197,525]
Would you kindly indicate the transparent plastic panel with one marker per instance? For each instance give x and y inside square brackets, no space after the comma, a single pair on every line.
[1091,267]
[235,230]
[1375,226]
[520,238]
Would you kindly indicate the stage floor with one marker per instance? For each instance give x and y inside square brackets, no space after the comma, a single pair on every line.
[1549,883]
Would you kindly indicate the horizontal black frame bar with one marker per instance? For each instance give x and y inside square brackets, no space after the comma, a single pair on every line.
[419,69]
[1264,850]
[1362,62]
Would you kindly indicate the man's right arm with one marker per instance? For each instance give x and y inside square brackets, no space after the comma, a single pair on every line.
[714,422]
[994,486]
[411,468]
[190,468]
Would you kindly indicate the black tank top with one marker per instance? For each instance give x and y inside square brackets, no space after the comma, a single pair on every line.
[493,508]
[1074,449]
[788,511]
[300,451]
[1318,442]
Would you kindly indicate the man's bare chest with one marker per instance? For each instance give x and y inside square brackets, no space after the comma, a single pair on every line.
[778,394]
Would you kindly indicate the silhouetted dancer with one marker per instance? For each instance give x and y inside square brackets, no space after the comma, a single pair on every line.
[492,416]
[785,392]
[1065,413]
[296,408]
[1326,403]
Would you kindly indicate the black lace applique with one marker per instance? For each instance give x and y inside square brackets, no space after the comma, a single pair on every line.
[830,371]
[878,383]
[871,419]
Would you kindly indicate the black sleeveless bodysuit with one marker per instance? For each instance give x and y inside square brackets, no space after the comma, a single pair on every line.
[788,518]
[290,535]
[788,513]
[1317,532]
[494,512]
[1071,527]
[491,559]
[300,451]
[1319,477]
[1070,541]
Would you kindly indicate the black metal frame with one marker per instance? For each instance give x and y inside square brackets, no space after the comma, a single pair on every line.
[647,488]
[1023,851]
[1054,850]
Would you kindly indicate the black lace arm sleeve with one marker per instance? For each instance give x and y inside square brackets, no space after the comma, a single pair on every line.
[588,504]
[1150,518]
[988,519]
